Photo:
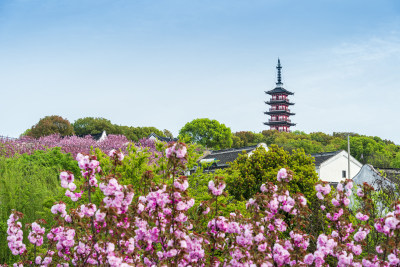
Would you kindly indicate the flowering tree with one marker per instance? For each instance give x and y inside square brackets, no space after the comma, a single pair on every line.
[68,144]
[51,125]
[154,229]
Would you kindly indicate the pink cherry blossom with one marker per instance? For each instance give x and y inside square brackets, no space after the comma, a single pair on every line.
[362,217]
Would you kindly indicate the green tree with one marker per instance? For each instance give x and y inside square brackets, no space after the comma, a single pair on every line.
[209,133]
[270,136]
[137,133]
[237,142]
[246,137]
[307,145]
[168,133]
[396,161]
[320,137]
[372,150]
[247,174]
[26,133]
[90,125]
[51,125]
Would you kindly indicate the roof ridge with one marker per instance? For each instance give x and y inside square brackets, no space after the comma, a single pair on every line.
[394,169]
[232,149]
[327,153]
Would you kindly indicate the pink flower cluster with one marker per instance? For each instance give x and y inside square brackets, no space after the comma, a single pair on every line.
[171,230]
[89,167]
[362,217]
[259,243]
[64,239]
[59,208]
[87,210]
[67,181]
[216,190]
[114,153]
[46,261]
[342,196]
[322,190]
[36,234]
[177,149]
[283,175]
[15,235]
[390,223]
[181,186]
[116,195]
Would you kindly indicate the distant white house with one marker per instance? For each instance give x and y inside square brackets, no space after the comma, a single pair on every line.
[103,136]
[332,167]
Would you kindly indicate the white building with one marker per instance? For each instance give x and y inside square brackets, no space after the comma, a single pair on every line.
[332,167]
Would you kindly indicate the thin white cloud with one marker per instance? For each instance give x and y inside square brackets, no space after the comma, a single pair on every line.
[373,49]
[353,86]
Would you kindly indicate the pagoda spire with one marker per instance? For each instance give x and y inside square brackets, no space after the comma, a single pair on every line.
[279,103]
[279,67]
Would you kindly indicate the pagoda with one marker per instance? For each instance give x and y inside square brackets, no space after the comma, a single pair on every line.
[279,110]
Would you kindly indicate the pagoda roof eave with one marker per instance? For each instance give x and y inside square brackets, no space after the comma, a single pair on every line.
[279,90]
[273,102]
[279,112]
[280,123]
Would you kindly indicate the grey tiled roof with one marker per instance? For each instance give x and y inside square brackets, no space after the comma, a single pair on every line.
[163,139]
[370,175]
[321,157]
[223,157]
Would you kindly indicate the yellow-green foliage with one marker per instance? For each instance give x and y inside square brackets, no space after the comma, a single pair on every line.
[30,184]
[198,189]
[248,173]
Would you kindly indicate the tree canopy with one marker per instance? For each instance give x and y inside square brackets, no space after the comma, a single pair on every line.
[91,125]
[51,125]
[137,133]
[209,133]
[248,173]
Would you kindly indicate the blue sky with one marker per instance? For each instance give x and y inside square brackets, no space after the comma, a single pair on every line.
[165,63]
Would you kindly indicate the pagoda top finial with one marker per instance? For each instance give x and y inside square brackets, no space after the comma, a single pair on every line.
[279,67]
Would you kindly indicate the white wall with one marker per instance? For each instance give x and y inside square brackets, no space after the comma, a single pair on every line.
[331,170]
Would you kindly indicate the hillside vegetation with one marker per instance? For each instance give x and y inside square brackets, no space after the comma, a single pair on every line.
[367,149]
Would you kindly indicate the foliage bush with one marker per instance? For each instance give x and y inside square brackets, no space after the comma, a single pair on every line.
[30,184]
[155,229]
[248,173]
[136,207]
